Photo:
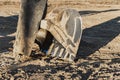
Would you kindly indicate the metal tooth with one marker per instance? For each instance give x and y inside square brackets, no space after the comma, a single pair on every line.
[66,54]
[58,52]
[55,51]
[61,52]
[71,57]
[51,49]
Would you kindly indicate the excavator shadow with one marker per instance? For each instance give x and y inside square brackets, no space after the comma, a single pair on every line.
[98,36]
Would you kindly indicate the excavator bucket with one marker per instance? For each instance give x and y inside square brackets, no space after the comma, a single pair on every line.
[65,26]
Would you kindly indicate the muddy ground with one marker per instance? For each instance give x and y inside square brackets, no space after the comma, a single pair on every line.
[99,53]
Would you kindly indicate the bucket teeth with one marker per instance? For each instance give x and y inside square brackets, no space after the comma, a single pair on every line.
[57,50]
